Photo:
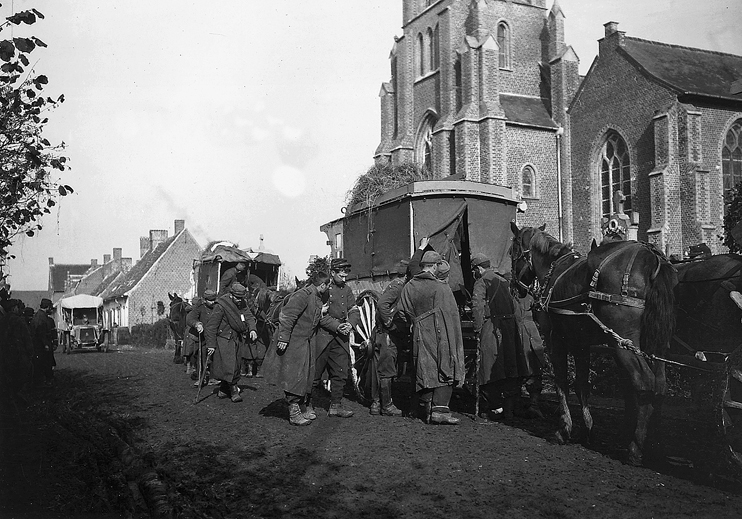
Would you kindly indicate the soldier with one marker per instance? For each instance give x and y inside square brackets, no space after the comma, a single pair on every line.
[291,364]
[502,360]
[438,346]
[44,333]
[228,325]
[332,347]
[236,274]
[16,349]
[390,338]
[195,320]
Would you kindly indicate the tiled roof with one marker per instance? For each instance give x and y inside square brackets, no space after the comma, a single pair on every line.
[108,281]
[687,70]
[526,110]
[89,281]
[58,274]
[122,285]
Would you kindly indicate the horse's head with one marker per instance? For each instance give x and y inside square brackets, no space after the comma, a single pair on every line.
[520,257]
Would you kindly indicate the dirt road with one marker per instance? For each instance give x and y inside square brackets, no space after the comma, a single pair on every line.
[113,419]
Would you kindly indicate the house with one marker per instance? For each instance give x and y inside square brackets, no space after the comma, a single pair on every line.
[64,275]
[98,277]
[165,266]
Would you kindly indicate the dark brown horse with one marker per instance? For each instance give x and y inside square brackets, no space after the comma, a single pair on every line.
[620,295]
[709,328]
[179,308]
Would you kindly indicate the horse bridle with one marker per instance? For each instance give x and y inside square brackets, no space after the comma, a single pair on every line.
[525,255]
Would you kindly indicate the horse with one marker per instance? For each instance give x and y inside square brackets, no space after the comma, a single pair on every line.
[708,309]
[266,306]
[179,308]
[620,295]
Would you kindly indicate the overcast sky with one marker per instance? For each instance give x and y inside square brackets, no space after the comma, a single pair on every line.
[245,117]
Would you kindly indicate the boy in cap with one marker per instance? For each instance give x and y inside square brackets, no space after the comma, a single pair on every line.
[332,348]
[229,324]
[438,346]
[197,316]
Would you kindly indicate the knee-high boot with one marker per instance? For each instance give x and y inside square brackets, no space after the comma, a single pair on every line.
[387,405]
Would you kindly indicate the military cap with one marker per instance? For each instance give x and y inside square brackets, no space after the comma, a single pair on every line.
[431,258]
[480,260]
[28,311]
[339,264]
[443,270]
[238,290]
[45,304]
[209,295]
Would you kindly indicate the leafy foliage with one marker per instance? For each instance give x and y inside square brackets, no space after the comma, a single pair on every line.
[28,189]
[733,216]
[318,264]
[381,178]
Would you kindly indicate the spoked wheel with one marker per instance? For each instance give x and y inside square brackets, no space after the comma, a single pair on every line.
[363,340]
[731,410]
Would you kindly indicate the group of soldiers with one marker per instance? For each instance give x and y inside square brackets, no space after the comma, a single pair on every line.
[28,339]
[417,312]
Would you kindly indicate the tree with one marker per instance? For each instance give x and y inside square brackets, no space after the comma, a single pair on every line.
[318,264]
[28,161]
[732,218]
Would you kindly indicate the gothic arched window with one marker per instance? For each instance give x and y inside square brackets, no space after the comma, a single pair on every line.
[424,144]
[430,50]
[528,182]
[731,156]
[419,57]
[615,173]
[503,42]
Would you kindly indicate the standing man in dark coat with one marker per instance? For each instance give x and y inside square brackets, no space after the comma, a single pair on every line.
[236,274]
[16,350]
[44,333]
[391,337]
[230,324]
[332,347]
[437,343]
[291,363]
[195,322]
[502,361]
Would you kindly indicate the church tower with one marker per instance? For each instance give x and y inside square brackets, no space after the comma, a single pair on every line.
[479,91]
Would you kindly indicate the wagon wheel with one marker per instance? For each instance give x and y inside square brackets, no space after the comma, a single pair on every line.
[363,340]
[731,409]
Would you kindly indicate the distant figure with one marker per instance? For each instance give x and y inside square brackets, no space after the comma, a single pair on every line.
[44,334]
[237,274]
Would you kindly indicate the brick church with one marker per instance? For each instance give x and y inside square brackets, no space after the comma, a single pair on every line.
[488,91]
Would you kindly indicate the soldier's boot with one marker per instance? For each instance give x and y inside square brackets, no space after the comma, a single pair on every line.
[256,370]
[375,408]
[236,394]
[308,411]
[337,411]
[423,410]
[296,417]
[387,405]
[441,415]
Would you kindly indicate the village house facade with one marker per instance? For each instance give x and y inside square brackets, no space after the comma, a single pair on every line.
[488,91]
[165,266]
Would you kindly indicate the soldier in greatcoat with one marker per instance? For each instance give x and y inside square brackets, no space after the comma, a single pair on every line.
[332,347]
[438,346]
[230,324]
[291,363]
[44,334]
[502,363]
[16,349]
[196,319]
[391,337]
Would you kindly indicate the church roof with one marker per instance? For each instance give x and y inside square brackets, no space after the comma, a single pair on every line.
[685,69]
[526,110]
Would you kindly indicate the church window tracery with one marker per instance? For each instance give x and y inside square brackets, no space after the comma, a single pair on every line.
[503,42]
[424,144]
[615,172]
[731,156]
[528,182]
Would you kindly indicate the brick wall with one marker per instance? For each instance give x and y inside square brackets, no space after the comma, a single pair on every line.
[171,273]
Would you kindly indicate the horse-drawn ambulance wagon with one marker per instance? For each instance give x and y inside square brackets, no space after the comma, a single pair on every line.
[79,321]
[261,266]
[460,218]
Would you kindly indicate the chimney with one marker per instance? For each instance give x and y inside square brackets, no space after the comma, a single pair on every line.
[179,226]
[93,262]
[143,246]
[51,261]
[156,237]
[117,254]
[106,258]
[610,28]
